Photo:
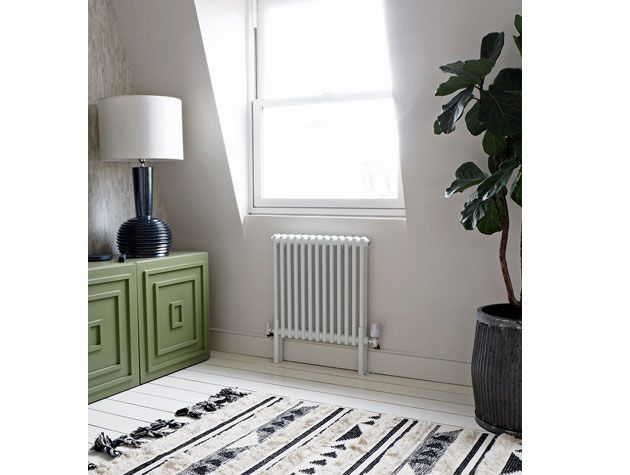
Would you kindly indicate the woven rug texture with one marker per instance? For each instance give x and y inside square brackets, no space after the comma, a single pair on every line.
[235,432]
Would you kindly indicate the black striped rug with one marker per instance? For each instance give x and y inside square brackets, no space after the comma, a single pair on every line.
[235,432]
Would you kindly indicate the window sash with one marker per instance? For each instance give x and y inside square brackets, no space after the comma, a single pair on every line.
[260,205]
[322,99]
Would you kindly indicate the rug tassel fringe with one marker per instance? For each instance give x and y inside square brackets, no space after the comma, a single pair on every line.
[156,429]
[225,396]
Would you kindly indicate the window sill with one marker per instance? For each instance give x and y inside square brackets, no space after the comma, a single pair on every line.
[389,213]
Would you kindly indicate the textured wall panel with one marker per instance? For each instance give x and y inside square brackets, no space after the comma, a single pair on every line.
[110,188]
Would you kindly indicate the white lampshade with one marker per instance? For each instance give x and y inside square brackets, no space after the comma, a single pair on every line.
[140,127]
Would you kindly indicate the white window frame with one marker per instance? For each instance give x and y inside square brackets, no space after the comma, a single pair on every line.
[259,205]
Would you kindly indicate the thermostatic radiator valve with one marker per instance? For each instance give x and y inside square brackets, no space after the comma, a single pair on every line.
[375,334]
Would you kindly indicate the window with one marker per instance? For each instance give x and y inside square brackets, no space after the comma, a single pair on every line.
[325,138]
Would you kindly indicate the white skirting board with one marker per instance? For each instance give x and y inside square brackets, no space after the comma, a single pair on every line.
[338,356]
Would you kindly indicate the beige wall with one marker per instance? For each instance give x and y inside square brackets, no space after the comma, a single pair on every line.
[427,274]
[110,187]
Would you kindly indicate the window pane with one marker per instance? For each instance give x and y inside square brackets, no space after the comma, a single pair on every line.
[324,46]
[340,150]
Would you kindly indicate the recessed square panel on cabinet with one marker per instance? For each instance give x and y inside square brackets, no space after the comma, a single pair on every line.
[173,315]
[112,332]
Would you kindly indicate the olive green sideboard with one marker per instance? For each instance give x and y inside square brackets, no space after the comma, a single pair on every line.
[146,318]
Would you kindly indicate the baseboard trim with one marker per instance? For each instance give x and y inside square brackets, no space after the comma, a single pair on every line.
[379,361]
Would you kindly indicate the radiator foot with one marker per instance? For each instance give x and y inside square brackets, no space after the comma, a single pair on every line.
[362,353]
[277,344]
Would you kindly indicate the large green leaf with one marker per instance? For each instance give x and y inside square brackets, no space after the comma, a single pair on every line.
[493,144]
[517,192]
[500,108]
[491,221]
[454,83]
[453,110]
[491,46]
[466,176]
[473,123]
[480,214]
[496,182]
[518,20]
[473,70]
[474,210]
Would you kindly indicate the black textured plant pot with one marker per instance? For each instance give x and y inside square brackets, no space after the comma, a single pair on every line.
[497,369]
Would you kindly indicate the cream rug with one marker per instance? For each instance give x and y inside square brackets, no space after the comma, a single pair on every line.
[235,432]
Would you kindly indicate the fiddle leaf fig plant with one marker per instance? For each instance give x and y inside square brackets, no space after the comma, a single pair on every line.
[495,112]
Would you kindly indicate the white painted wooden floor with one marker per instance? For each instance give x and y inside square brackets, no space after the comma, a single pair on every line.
[438,402]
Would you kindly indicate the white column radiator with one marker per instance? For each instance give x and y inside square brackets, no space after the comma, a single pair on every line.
[320,291]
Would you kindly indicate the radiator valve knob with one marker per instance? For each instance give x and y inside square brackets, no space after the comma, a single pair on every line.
[375,330]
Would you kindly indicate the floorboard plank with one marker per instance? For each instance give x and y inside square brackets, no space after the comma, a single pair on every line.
[150,401]
[368,384]
[156,388]
[221,375]
[352,375]
[115,422]
[130,410]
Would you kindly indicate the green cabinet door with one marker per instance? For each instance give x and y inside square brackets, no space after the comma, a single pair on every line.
[173,313]
[112,330]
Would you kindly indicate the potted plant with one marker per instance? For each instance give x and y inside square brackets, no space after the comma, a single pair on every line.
[495,112]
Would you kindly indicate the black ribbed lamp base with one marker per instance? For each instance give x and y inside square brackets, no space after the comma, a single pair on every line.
[144,236]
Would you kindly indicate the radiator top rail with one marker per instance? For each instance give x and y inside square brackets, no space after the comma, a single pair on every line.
[319,239]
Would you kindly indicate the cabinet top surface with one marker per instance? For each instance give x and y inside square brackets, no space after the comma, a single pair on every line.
[114,261]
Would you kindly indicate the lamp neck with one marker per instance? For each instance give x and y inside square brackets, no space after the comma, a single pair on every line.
[143,162]
[143,190]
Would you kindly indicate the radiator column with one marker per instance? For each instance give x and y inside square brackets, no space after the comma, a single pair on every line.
[362,343]
[277,341]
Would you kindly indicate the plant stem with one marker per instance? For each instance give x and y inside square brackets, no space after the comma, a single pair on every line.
[520,299]
[505,220]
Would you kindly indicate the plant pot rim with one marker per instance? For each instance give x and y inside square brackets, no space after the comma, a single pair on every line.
[496,320]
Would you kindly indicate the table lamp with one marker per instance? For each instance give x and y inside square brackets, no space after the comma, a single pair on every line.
[141,128]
